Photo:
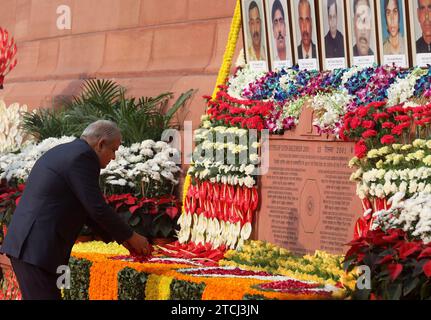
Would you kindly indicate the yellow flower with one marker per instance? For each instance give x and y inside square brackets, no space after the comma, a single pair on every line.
[379,164]
[396,146]
[419,143]
[427,160]
[406,147]
[384,150]
[112,248]
[374,153]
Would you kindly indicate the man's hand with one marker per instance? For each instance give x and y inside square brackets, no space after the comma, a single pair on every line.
[137,245]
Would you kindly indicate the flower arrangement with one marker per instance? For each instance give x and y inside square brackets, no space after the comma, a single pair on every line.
[321,268]
[152,217]
[97,276]
[8,52]
[15,167]
[413,216]
[153,163]
[400,267]
[11,135]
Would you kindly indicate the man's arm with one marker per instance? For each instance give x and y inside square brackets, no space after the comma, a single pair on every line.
[83,179]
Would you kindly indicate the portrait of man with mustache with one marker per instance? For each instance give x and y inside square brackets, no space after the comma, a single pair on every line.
[256,51]
[423,44]
[363,25]
[307,49]
[279,31]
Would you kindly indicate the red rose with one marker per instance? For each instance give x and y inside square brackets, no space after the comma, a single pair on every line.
[369,133]
[368,124]
[363,111]
[388,125]
[361,149]
[356,122]
[402,118]
[387,139]
[378,116]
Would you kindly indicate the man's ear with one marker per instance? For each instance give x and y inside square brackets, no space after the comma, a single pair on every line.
[100,144]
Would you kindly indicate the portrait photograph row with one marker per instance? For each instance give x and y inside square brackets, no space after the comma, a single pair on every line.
[331,34]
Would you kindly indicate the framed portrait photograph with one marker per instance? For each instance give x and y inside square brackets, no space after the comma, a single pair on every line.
[362,28]
[393,40]
[304,24]
[254,34]
[420,31]
[279,35]
[333,36]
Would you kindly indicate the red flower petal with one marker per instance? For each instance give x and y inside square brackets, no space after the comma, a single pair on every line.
[395,270]
[427,269]
[407,249]
[425,253]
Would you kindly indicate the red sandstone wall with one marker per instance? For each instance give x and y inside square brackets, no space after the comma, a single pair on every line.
[149,46]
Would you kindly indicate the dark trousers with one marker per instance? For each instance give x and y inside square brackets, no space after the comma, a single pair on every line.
[35,283]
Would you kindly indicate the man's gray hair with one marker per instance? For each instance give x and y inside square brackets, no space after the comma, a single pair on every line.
[102,129]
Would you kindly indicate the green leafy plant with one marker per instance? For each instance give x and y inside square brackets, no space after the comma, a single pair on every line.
[400,267]
[185,290]
[80,279]
[139,119]
[45,123]
[131,284]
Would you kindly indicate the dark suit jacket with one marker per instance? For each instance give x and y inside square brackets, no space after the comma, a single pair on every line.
[422,46]
[313,52]
[61,195]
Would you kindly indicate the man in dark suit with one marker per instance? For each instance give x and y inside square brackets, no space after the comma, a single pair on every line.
[334,40]
[61,195]
[307,49]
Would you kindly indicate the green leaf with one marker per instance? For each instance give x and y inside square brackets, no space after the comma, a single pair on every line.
[394,291]
[410,284]
[135,220]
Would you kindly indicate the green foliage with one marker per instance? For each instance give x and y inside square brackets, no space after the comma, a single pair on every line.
[45,123]
[131,284]
[80,279]
[139,119]
[185,290]
[399,267]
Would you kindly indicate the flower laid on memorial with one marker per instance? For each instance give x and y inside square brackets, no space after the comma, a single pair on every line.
[322,268]
[99,273]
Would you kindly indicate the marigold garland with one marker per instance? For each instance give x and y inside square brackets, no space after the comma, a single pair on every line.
[186,186]
[158,287]
[230,48]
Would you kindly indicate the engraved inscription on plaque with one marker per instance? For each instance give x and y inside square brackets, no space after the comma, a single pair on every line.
[308,202]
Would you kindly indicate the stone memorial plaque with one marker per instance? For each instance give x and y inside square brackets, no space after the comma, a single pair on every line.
[307,200]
